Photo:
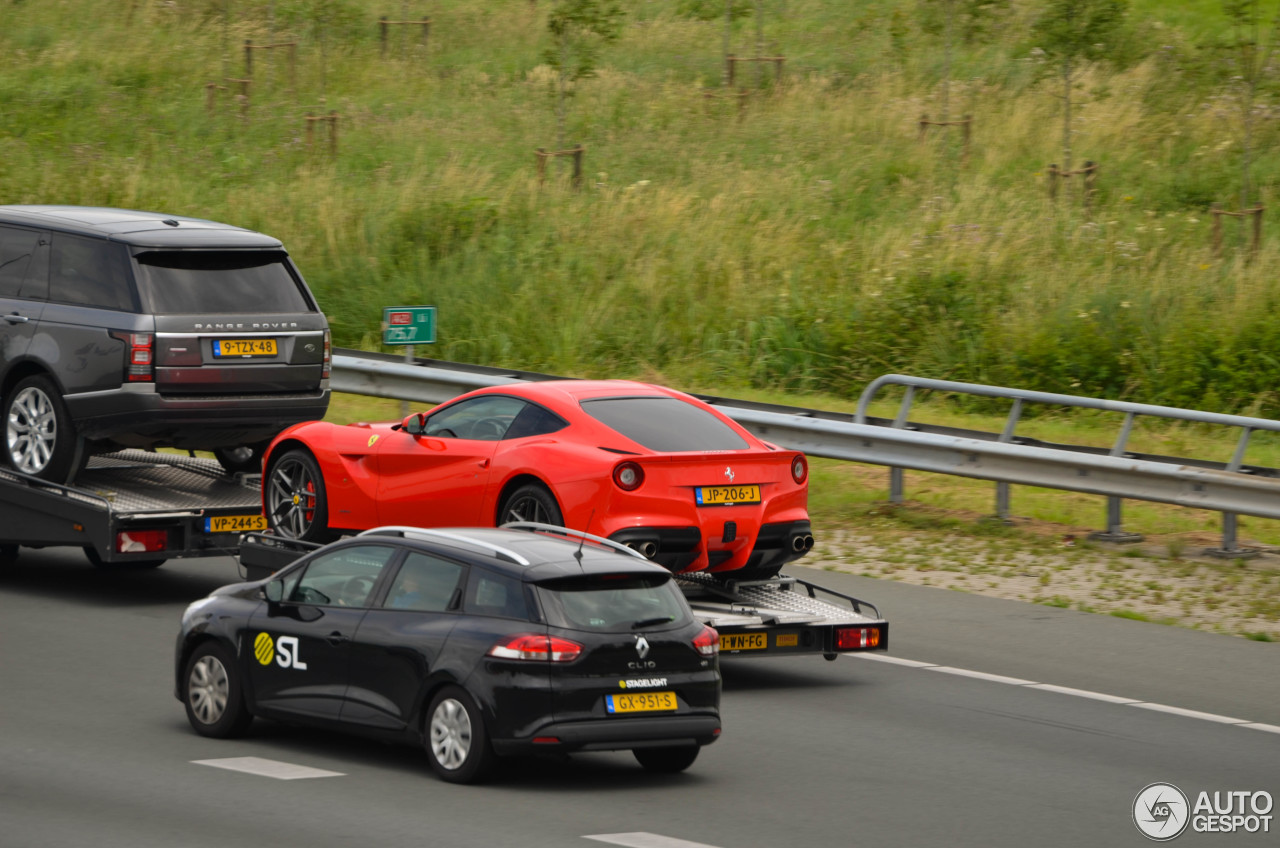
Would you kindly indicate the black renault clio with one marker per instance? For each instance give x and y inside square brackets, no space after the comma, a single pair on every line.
[472,642]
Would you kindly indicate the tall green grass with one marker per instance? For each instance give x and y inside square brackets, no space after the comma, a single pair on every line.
[809,243]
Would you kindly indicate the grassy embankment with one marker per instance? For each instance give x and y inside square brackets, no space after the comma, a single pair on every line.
[809,246]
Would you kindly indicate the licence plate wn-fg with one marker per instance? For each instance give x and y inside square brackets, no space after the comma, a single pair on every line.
[743,641]
[640,702]
[244,347]
[727,495]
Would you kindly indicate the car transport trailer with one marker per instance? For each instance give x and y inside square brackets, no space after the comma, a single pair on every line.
[781,615]
[132,507]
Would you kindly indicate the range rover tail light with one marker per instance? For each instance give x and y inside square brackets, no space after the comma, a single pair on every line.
[328,356]
[140,356]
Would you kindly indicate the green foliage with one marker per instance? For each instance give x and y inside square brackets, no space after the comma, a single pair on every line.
[711,10]
[584,24]
[972,21]
[1077,30]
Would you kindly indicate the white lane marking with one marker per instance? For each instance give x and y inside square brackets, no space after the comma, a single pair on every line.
[640,839]
[1164,708]
[885,658]
[1066,690]
[1269,728]
[267,768]
[981,675]
[1084,693]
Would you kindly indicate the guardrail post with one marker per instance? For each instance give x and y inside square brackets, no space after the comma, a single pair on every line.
[1230,548]
[897,485]
[1004,490]
[1115,532]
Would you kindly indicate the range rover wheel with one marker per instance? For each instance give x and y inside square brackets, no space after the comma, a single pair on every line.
[39,437]
[296,504]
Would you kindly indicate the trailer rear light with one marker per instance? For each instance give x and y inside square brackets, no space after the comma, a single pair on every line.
[328,357]
[141,358]
[546,740]
[799,469]
[142,541]
[848,638]
[537,647]
[707,642]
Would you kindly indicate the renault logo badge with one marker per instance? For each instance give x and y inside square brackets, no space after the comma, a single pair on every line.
[642,646]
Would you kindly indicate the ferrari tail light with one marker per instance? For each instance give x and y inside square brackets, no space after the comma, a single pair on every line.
[537,647]
[628,476]
[799,468]
[140,357]
[707,642]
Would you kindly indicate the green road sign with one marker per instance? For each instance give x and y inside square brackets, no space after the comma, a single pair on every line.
[408,325]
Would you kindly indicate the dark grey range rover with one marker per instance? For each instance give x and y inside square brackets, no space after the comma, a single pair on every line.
[136,329]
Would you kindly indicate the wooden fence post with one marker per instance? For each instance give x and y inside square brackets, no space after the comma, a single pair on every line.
[248,57]
[1216,211]
[426,32]
[731,62]
[542,164]
[577,166]
[382,35]
[1090,184]
[1054,176]
[1257,231]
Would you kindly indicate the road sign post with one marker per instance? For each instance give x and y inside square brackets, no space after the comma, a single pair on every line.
[408,326]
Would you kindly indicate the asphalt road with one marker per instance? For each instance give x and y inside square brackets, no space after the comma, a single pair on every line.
[95,751]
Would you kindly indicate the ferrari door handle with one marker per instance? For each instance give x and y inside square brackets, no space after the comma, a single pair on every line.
[336,638]
[15,318]
[484,463]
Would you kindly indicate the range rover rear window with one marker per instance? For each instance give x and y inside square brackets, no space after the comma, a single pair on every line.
[221,282]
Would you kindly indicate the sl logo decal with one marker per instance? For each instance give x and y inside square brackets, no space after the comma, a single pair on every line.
[283,650]
[372,439]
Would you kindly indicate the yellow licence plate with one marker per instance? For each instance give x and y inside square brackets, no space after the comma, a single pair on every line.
[726,495]
[234,523]
[743,641]
[244,347]
[640,702]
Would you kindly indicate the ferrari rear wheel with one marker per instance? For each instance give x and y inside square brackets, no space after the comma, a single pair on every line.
[296,504]
[531,502]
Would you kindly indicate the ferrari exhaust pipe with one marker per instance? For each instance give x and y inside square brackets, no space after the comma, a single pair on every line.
[808,543]
[797,543]
[648,549]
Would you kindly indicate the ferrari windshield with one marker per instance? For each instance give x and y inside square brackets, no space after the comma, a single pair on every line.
[664,424]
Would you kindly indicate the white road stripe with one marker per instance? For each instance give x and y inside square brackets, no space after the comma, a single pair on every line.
[640,839]
[885,658]
[1084,693]
[1269,728]
[1061,690]
[1163,708]
[267,768]
[981,675]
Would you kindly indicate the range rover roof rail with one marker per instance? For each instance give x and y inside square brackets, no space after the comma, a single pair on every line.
[423,534]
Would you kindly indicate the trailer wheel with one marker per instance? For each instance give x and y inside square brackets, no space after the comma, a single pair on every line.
[91,554]
[831,657]
[297,507]
[667,760]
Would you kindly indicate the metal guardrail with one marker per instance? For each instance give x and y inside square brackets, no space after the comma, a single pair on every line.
[1115,531]
[1230,488]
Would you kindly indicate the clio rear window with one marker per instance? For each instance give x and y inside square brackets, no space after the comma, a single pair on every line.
[664,424]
